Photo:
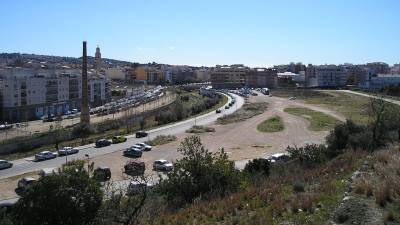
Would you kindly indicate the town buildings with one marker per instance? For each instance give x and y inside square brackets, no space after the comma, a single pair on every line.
[327,76]
[28,93]
[238,75]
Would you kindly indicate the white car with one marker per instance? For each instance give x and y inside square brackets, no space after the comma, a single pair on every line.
[67,151]
[138,147]
[145,146]
[278,157]
[4,164]
[47,172]
[45,155]
[162,165]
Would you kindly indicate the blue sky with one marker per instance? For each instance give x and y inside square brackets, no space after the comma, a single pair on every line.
[207,32]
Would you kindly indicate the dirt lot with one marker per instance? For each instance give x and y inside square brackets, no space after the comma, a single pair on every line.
[240,140]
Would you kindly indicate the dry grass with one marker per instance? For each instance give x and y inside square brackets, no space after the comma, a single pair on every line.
[364,187]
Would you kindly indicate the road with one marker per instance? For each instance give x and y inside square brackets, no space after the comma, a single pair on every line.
[26,165]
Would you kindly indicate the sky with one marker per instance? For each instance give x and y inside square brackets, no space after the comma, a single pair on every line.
[207,32]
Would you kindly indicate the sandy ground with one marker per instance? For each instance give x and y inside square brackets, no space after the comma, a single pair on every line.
[240,140]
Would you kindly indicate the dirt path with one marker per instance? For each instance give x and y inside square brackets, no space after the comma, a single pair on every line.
[240,140]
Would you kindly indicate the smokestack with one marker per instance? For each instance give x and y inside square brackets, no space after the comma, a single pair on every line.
[85,116]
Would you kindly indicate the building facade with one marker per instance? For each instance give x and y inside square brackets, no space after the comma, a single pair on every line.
[330,76]
[261,77]
[233,76]
[28,94]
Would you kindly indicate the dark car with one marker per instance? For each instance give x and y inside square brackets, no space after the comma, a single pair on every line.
[135,168]
[133,152]
[227,107]
[102,174]
[218,111]
[102,143]
[141,134]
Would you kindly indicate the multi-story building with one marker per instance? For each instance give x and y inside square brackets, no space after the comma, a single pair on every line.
[380,81]
[149,74]
[29,94]
[325,76]
[202,74]
[233,76]
[261,77]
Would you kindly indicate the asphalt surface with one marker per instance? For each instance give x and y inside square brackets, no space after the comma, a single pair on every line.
[26,165]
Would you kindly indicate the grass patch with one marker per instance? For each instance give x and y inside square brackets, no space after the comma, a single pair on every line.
[352,106]
[273,124]
[248,111]
[318,121]
[161,140]
[200,129]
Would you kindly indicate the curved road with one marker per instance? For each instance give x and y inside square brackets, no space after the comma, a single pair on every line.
[26,165]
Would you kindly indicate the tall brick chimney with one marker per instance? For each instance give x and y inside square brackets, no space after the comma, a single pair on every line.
[85,116]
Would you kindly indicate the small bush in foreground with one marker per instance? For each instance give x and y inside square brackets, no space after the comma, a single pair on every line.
[161,140]
[309,154]
[259,166]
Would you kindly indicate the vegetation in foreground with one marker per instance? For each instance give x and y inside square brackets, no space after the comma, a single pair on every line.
[273,124]
[161,140]
[200,129]
[247,111]
[318,121]
[353,179]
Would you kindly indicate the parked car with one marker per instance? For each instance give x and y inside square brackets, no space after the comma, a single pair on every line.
[145,146]
[292,98]
[136,187]
[134,168]
[48,119]
[24,183]
[278,157]
[133,152]
[67,151]
[102,143]
[227,107]
[118,139]
[4,164]
[45,155]
[138,147]
[162,165]
[218,111]
[141,134]
[102,174]
[47,172]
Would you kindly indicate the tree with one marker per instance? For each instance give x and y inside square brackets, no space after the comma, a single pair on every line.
[259,166]
[83,131]
[71,197]
[198,173]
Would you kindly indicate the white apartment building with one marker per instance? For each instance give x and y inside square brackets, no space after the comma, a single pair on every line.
[325,76]
[27,94]
[380,81]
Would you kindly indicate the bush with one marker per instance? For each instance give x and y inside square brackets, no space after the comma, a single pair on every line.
[308,155]
[161,139]
[348,135]
[200,129]
[298,186]
[258,166]
[199,173]
[71,197]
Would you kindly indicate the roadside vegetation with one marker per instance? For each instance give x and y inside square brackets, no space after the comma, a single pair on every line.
[188,104]
[247,111]
[200,129]
[161,140]
[273,124]
[318,121]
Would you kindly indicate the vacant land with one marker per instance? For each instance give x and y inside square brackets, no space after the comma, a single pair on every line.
[273,124]
[200,129]
[318,120]
[247,111]
[161,140]
[351,106]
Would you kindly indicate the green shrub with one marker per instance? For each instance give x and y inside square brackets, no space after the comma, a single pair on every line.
[258,166]
[309,154]
[199,173]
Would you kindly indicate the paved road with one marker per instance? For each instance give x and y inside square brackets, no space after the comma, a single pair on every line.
[26,165]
